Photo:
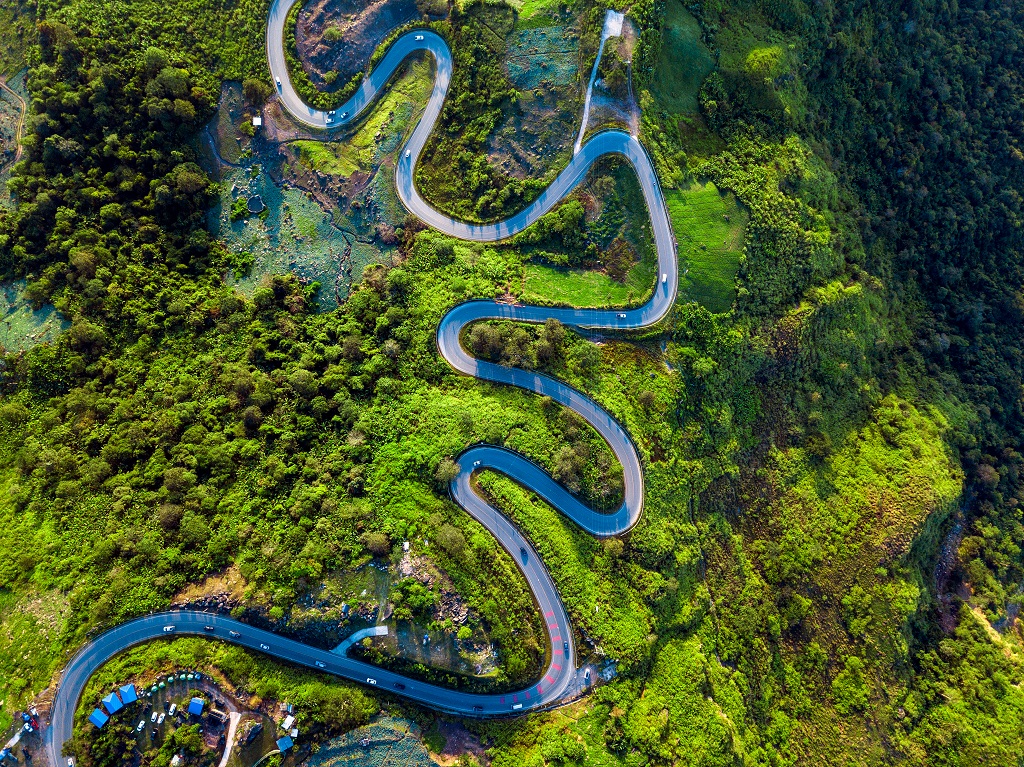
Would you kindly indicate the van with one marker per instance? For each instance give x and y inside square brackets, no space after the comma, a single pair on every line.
[278,81]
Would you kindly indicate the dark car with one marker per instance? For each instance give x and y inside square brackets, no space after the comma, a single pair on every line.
[207,628]
[565,646]
[399,686]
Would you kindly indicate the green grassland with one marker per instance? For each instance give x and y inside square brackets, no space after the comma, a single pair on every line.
[709,226]
[684,61]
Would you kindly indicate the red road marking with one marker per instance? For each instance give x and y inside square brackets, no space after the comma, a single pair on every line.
[515,698]
[553,626]
[556,667]
[539,690]
[547,678]
[548,614]
[502,698]
[526,694]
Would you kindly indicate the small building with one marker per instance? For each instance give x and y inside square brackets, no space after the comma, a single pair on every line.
[294,732]
[112,703]
[128,694]
[257,121]
[217,714]
[288,722]
[98,718]
[195,706]
[283,744]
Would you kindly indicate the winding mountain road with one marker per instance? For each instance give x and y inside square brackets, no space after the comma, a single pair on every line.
[560,679]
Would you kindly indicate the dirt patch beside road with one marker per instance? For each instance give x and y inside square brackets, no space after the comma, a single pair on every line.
[335,39]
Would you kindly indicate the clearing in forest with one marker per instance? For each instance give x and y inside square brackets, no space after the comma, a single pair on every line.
[684,61]
[709,226]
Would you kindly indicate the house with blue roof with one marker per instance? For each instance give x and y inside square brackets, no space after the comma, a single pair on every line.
[98,718]
[195,706]
[112,703]
[283,744]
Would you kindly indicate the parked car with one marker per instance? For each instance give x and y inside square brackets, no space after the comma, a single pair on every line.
[141,727]
[371,681]
[160,719]
[168,629]
[152,719]
[173,710]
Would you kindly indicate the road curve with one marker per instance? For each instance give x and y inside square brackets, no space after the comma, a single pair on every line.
[560,679]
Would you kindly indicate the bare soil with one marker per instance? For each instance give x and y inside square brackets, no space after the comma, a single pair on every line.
[362,27]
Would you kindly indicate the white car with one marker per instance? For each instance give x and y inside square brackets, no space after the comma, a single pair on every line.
[174,709]
[152,719]
[408,153]
[664,279]
[621,316]
[371,681]
[264,646]
[160,719]
[278,81]
[141,727]
[168,629]
[320,664]
[419,37]
[71,762]
[344,115]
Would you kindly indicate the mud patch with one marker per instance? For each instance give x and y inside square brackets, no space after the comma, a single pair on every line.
[336,39]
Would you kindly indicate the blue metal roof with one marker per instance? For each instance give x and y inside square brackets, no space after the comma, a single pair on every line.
[112,703]
[195,706]
[128,694]
[98,718]
[283,744]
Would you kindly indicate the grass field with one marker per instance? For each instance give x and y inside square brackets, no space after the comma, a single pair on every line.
[709,226]
[391,118]
[684,61]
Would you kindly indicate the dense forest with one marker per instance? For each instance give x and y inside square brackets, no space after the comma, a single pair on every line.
[829,566]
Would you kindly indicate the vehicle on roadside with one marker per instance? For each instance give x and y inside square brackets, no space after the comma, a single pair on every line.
[264,646]
[621,316]
[160,719]
[565,647]
[320,664]
[141,727]
[344,115]
[478,708]
[419,37]
[168,629]
[522,552]
[71,762]
[174,709]
[278,81]
[208,628]
[399,686]
[408,153]
[235,634]
[371,681]
[517,706]
[664,278]
[152,719]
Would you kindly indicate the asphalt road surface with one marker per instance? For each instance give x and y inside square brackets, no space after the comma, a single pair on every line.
[560,679]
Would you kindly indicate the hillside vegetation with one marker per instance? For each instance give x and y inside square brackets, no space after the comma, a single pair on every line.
[828,567]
